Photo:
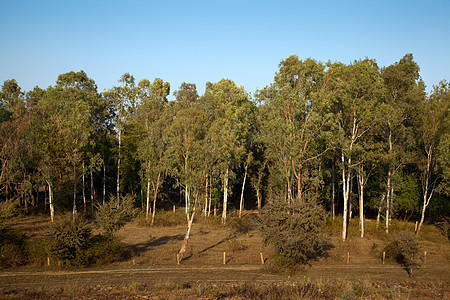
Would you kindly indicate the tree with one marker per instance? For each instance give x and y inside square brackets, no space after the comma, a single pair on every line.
[186,154]
[73,101]
[403,92]
[230,109]
[16,155]
[295,118]
[359,90]
[122,99]
[430,130]
[152,121]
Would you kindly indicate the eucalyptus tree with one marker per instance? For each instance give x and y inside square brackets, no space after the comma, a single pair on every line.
[358,89]
[432,131]
[295,119]
[230,109]
[187,151]
[404,91]
[186,134]
[16,153]
[152,121]
[123,100]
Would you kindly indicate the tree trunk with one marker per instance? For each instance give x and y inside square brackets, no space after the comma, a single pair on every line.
[118,169]
[188,232]
[50,200]
[186,202]
[205,213]
[104,182]
[92,189]
[84,193]
[379,209]
[388,201]
[147,207]
[361,199]
[258,199]
[209,202]
[74,211]
[345,189]
[155,195]
[427,190]
[333,192]
[241,205]
[225,196]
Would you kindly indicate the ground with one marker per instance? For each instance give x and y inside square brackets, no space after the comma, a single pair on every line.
[152,271]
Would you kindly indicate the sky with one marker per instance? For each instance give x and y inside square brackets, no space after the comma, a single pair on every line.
[201,41]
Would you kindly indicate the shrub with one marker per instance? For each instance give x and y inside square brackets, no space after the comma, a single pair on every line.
[111,217]
[12,247]
[105,250]
[37,251]
[70,239]
[294,231]
[404,248]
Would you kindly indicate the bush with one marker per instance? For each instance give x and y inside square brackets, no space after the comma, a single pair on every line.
[38,251]
[294,231]
[12,248]
[405,250]
[111,217]
[70,239]
[104,250]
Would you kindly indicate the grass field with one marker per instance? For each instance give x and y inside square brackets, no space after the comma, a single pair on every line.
[350,270]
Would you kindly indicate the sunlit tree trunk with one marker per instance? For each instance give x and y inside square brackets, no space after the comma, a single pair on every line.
[50,200]
[225,196]
[241,205]
[84,193]
[118,168]
[361,199]
[188,232]
[155,195]
[427,189]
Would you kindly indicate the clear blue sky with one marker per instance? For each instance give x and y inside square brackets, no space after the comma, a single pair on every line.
[200,41]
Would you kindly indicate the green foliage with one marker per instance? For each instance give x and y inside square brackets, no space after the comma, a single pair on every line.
[111,217]
[12,248]
[38,250]
[8,209]
[104,250]
[293,230]
[70,238]
[404,248]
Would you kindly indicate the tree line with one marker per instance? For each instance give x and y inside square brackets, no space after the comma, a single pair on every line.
[357,138]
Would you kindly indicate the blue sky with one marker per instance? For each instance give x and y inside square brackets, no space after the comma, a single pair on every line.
[200,41]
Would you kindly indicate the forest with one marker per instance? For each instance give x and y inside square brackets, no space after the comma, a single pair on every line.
[363,141]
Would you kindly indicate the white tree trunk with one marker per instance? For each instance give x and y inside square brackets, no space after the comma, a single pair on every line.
[155,195]
[104,182]
[205,211]
[147,208]
[345,189]
[427,190]
[84,193]
[388,201]
[50,200]
[225,196]
[92,189]
[74,210]
[118,169]
[188,232]
[241,204]
[361,199]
